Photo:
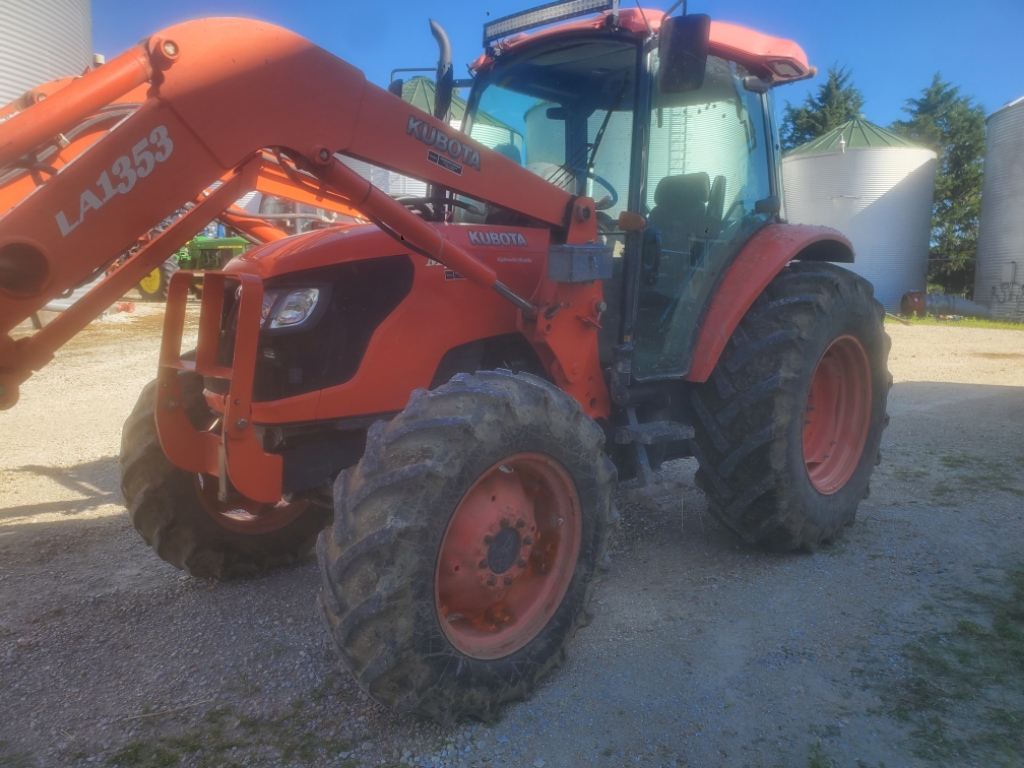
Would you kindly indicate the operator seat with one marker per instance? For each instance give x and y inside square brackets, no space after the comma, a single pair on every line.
[679,212]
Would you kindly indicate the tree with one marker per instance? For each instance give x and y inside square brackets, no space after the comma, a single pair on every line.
[954,127]
[835,103]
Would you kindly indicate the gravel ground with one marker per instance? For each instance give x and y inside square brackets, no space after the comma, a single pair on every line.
[701,653]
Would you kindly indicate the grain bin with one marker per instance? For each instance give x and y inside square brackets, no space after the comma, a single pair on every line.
[876,188]
[41,40]
[999,272]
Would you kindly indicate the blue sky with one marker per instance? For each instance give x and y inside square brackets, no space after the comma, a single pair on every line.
[893,46]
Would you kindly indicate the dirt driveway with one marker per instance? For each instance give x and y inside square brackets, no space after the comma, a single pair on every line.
[894,647]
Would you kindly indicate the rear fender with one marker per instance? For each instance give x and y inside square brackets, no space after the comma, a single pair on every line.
[763,257]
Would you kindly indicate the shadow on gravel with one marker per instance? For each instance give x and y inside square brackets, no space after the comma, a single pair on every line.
[940,398]
[96,481]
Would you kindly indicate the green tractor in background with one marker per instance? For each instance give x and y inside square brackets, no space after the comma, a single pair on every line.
[205,253]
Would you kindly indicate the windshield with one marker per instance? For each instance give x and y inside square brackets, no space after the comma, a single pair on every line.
[545,110]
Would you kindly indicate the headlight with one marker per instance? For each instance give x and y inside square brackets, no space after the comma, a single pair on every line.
[286,309]
[269,298]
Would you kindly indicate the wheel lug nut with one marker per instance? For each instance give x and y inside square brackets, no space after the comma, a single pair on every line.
[508,581]
[528,540]
[483,564]
[491,581]
[488,539]
[504,522]
[521,563]
[520,523]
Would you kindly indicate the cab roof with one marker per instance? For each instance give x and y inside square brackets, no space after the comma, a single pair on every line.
[772,58]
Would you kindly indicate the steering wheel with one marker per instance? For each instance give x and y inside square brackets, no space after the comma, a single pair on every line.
[606,225]
[611,190]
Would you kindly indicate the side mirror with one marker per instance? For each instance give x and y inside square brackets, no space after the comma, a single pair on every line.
[683,52]
[395,87]
[770,205]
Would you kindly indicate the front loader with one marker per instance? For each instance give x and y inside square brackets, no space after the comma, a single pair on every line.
[599,280]
[19,176]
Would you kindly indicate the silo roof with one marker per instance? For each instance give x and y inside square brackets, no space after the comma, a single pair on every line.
[1008,105]
[858,134]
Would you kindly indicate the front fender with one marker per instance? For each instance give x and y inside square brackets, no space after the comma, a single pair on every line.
[764,255]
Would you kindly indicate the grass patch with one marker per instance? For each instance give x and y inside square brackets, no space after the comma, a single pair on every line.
[248,684]
[331,686]
[967,322]
[818,759]
[225,741]
[974,474]
[288,735]
[143,755]
[10,758]
[907,474]
[964,694]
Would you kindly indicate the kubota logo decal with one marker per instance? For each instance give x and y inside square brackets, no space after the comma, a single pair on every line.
[442,144]
[129,171]
[497,238]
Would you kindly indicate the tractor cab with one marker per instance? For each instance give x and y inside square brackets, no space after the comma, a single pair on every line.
[597,108]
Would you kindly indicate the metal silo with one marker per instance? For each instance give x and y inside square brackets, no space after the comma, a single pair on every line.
[999,273]
[41,40]
[876,188]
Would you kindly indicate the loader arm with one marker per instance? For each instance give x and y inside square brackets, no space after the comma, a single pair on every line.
[22,175]
[222,91]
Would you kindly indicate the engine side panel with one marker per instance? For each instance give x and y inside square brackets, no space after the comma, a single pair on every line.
[442,310]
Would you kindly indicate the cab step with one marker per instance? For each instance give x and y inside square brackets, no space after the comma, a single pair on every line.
[651,433]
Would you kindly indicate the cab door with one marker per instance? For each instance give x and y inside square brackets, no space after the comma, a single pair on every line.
[710,185]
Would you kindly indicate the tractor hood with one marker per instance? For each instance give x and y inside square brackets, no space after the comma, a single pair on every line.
[517,254]
[348,242]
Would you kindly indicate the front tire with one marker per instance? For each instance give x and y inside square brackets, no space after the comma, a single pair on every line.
[465,544]
[788,427]
[179,516]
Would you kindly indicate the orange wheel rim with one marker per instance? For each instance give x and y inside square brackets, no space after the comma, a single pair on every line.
[244,515]
[837,415]
[508,555]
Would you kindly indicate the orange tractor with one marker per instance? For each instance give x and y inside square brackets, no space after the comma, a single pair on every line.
[598,280]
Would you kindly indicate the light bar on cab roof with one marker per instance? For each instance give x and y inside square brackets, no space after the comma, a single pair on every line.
[544,14]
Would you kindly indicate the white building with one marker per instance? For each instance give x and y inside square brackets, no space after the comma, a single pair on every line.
[41,40]
[999,272]
[876,188]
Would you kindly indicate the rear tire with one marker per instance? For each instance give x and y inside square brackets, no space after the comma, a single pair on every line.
[750,416]
[154,286]
[166,508]
[382,559]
